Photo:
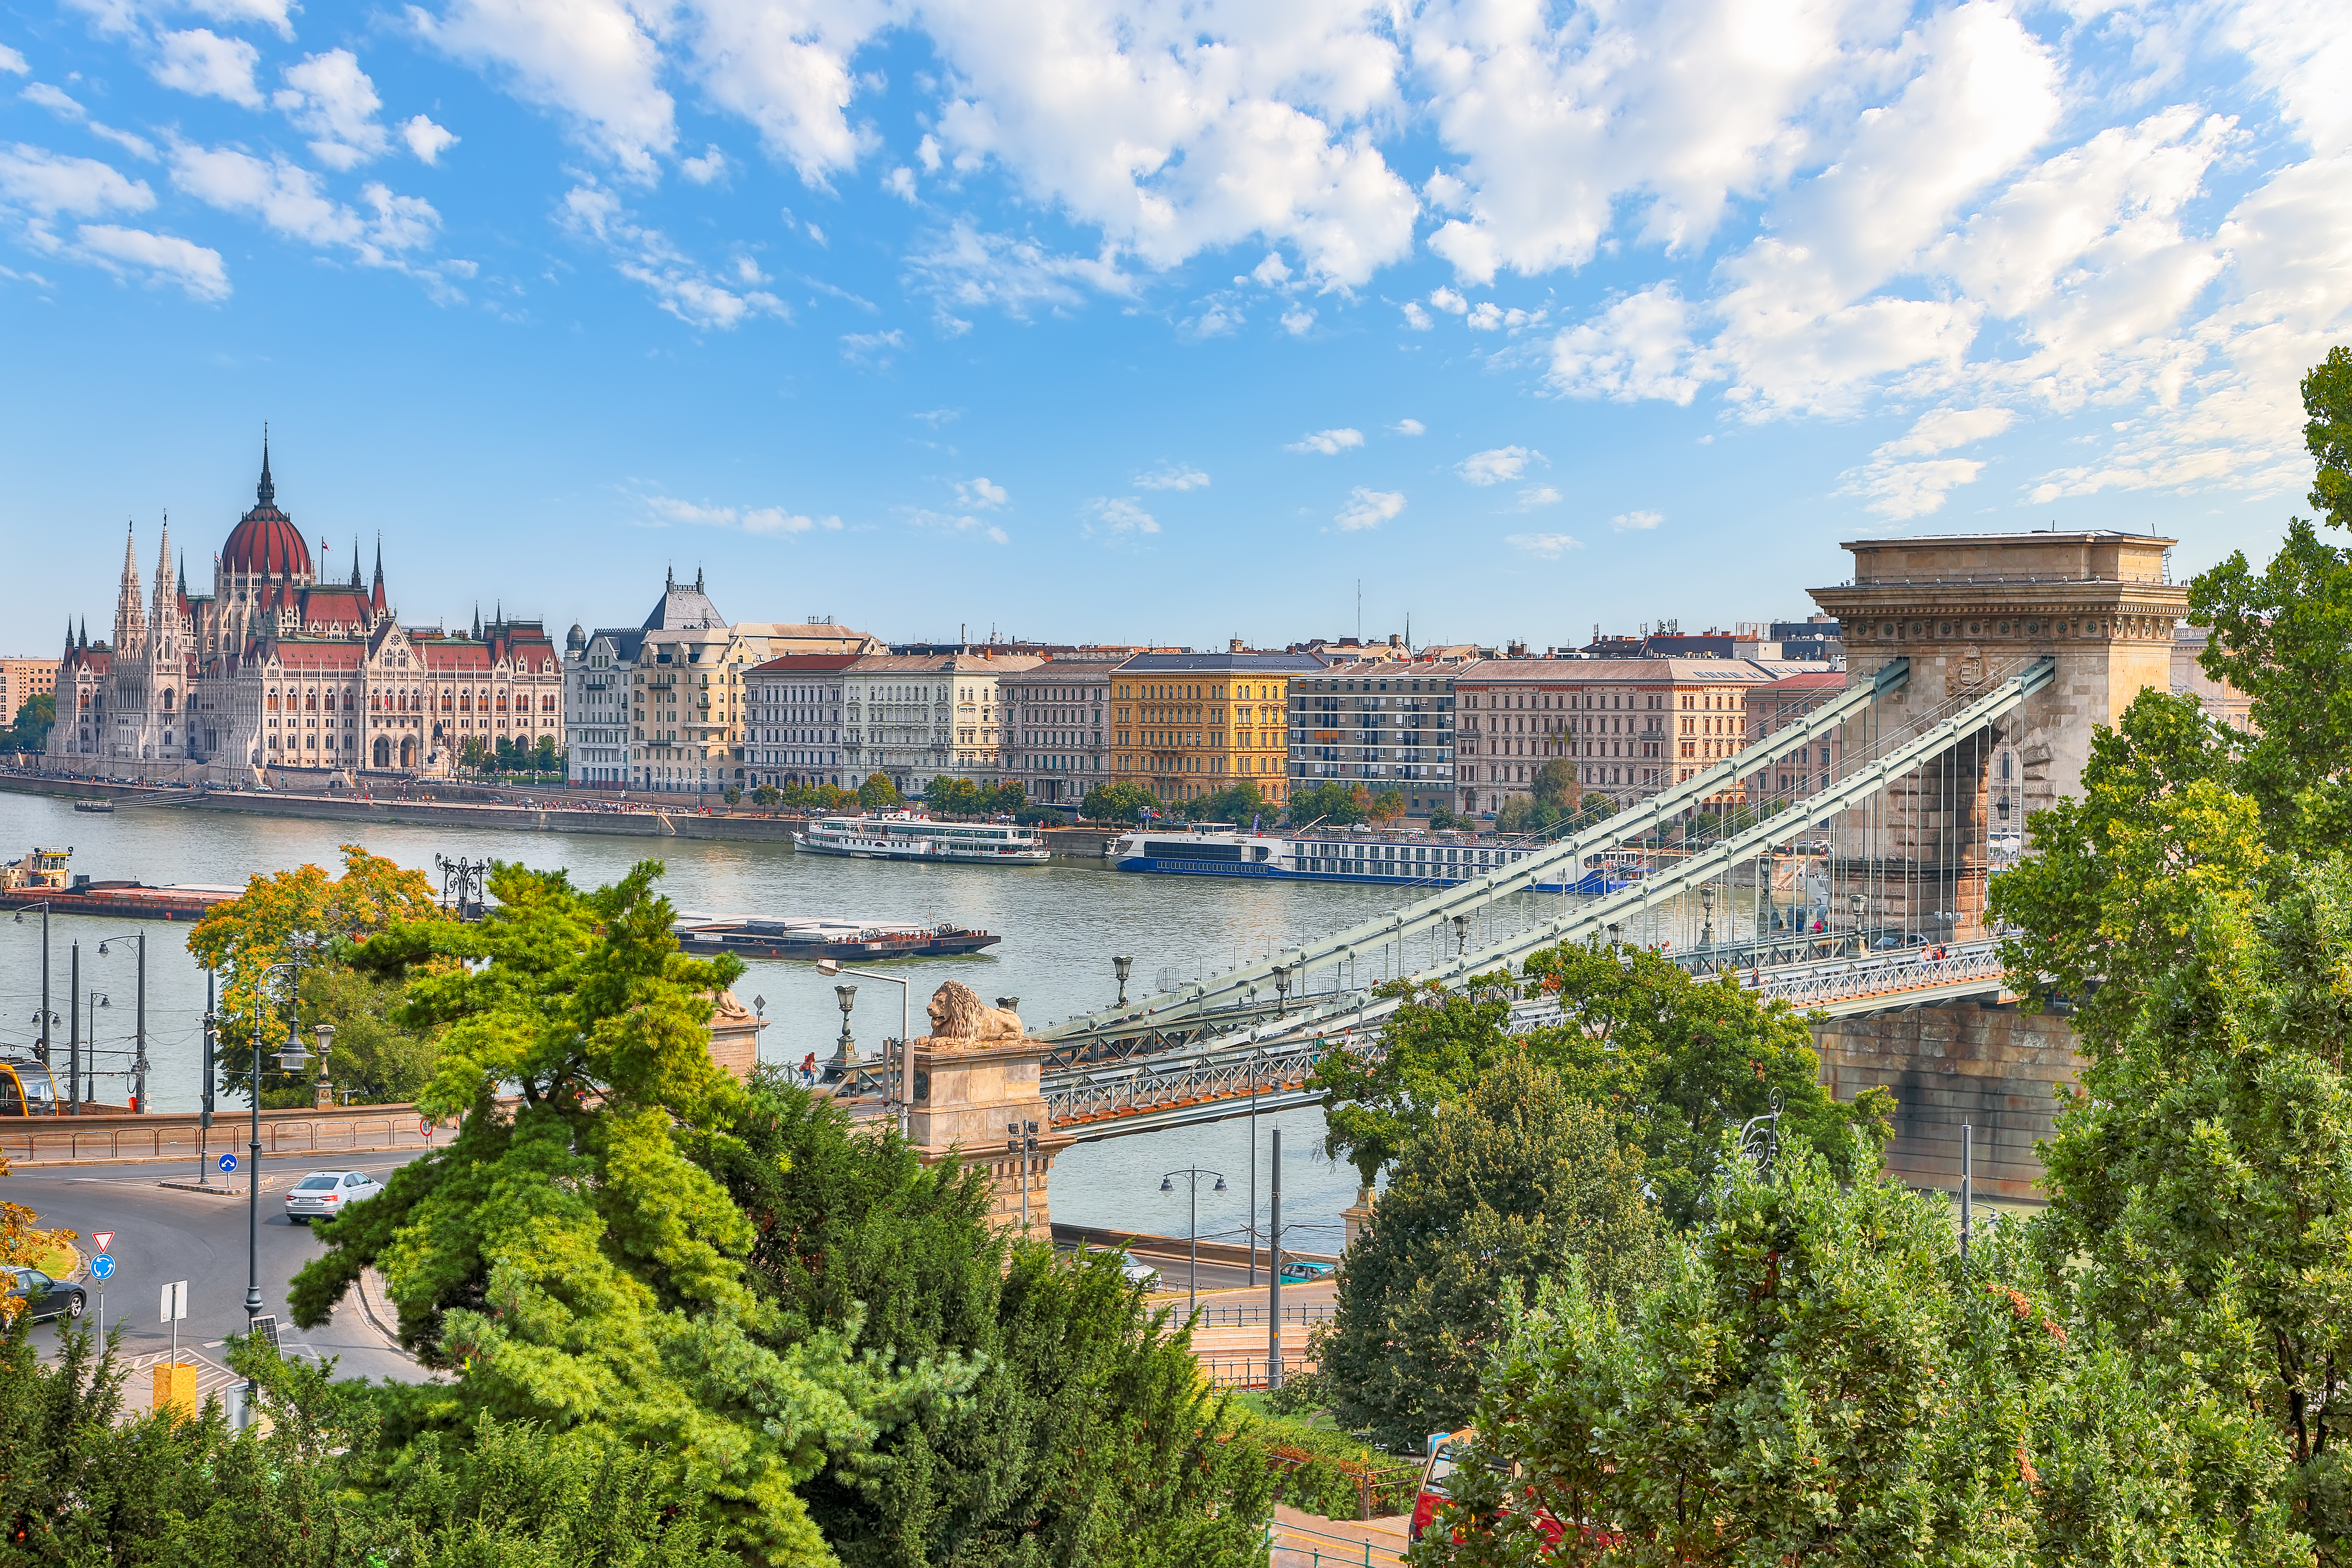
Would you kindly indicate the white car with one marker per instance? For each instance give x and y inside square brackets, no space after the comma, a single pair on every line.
[326,1193]
[1139,1272]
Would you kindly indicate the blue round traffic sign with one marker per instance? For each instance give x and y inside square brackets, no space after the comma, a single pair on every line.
[102,1266]
[228,1162]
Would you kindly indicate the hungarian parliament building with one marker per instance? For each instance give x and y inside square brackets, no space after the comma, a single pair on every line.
[275,669]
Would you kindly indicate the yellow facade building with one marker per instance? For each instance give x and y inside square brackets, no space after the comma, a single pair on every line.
[1185,725]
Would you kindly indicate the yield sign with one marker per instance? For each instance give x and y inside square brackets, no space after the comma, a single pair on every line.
[104,1238]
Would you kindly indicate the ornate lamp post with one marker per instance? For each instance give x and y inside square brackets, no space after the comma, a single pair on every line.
[291,1057]
[1461,935]
[1192,1175]
[1122,967]
[323,1092]
[828,968]
[1706,907]
[1021,1143]
[844,1050]
[1281,989]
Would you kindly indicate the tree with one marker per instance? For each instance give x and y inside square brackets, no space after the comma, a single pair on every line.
[547,757]
[1122,804]
[1501,1187]
[1387,806]
[1332,801]
[1240,803]
[1556,785]
[34,717]
[1086,1434]
[734,795]
[24,1241]
[1818,1379]
[248,938]
[1674,1061]
[1440,818]
[878,792]
[567,1260]
[2193,909]
[766,797]
[376,1059]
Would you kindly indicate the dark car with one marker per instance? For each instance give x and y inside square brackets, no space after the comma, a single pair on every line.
[43,1297]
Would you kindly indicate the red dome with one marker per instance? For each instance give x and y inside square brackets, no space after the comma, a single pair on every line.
[266,542]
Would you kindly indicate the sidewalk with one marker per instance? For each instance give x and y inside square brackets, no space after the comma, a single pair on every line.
[1311,1541]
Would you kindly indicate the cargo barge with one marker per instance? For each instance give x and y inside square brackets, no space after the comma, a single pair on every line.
[846,942]
[41,878]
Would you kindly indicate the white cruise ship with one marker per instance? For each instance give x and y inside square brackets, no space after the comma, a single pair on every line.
[1399,859]
[911,836]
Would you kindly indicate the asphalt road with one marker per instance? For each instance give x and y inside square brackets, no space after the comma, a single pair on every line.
[161,1234]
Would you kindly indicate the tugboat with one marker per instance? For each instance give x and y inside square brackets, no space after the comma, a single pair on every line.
[41,878]
[96,807]
[853,942]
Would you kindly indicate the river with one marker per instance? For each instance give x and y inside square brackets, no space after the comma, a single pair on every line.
[1061,923]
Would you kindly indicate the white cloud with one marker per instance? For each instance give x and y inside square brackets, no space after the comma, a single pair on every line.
[680,284]
[981,494]
[709,169]
[1299,321]
[1498,464]
[1273,271]
[1902,489]
[758,520]
[1330,443]
[166,258]
[592,61]
[957,525]
[1543,546]
[1409,428]
[967,268]
[270,14]
[1640,347]
[1536,496]
[1447,300]
[876,349]
[900,182]
[330,98]
[1636,521]
[201,61]
[66,107]
[49,183]
[1118,518]
[1367,509]
[1173,477]
[13,63]
[426,141]
[1419,320]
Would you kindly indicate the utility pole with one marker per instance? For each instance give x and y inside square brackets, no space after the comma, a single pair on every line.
[44,982]
[204,1112]
[1274,1273]
[139,1062]
[73,1031]
[1968,1187]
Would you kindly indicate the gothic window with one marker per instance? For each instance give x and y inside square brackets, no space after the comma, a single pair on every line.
[273,703]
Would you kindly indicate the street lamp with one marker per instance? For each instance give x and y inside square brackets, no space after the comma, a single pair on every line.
[1122,967]
[1192,1175]
[1461,935]
[829,967]
[322,1094]
[1707,906]
[1281,989]
[844,1050]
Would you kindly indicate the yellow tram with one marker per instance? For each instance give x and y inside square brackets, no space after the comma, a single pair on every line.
[26,1087]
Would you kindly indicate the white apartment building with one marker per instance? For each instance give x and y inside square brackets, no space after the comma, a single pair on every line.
[916,717]
[1053,724]
[793,723]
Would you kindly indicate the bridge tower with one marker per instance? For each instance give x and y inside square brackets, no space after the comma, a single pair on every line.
[1969,611]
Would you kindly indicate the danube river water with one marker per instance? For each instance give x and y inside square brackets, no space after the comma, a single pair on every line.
[1060,924]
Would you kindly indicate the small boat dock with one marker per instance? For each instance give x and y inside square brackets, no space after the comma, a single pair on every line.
[844,941]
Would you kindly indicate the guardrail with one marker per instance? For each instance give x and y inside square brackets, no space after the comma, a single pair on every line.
[1248,1372]
[176,1135]
[1216,1317]
[1076,1098]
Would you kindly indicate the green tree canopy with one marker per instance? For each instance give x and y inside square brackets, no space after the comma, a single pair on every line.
[35,717]
[1123,804]
[1672,1060]
[1086,1435]
[567,1260]
[877,792]
[1503,1186]
[1331,802]
[1816,1378]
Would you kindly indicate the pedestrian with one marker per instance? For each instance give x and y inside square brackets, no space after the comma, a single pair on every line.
[808,1070]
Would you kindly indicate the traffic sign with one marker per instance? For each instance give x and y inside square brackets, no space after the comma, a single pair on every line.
[175,1301]
[102,1266]
[104,1238]
[424,1128]
[228,1162]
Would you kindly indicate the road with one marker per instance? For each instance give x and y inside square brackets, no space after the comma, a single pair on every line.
[161,1234]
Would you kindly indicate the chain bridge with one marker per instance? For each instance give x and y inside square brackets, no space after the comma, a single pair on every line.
[1978,666]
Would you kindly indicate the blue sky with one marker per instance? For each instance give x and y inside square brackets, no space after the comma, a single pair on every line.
[1084,320]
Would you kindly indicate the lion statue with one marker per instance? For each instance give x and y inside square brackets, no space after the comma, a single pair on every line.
[958,1015]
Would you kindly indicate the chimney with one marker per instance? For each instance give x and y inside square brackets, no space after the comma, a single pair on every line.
[1233,645]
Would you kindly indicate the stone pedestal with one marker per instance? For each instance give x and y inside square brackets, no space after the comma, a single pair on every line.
[735,1036]
[966,1095]
[1357,1216]
[1959,1063]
